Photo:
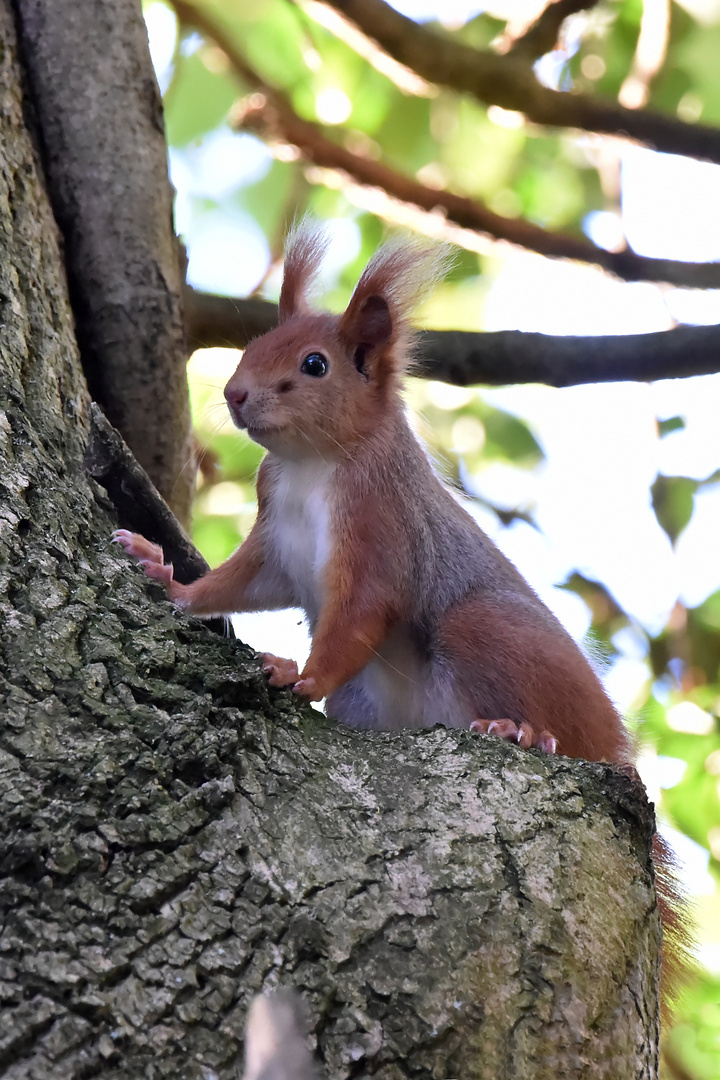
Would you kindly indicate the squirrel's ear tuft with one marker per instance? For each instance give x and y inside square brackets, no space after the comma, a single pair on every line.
[395,280]
[304,251]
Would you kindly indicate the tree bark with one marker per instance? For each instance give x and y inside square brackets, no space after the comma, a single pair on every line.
[100,129]
[176,836]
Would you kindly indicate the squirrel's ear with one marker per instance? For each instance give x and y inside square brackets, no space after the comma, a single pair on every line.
[304,250]
[368,322]
[366,326]
[378,315]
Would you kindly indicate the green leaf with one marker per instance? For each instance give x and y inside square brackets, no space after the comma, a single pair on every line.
[673,423]
[217,538]
[481,156]
[550,190]
[269,201]
[616,47]
[509,438]
[198,99]
[673,503]
[481,31]
[405,134]
[694,1039]
[696,56]
[272,43]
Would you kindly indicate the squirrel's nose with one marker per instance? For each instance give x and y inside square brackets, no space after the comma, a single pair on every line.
[235,398]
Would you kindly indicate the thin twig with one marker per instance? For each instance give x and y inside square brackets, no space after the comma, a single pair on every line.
[276,118]
[542,35]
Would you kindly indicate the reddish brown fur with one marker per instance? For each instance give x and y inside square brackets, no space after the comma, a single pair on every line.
[552,685]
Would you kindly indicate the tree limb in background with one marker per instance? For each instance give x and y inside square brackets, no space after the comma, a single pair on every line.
[542,35]
[99,114]
[274,117]
[509,81]
[511,356]
[213,322]
[269,113]
[495,359]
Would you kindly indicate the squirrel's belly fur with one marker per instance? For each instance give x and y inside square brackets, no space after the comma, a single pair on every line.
[299,511]
[401,687]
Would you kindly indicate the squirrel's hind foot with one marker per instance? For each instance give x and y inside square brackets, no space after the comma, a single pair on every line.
[523,734]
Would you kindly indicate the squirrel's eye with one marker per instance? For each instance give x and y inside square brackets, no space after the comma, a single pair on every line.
[315,364]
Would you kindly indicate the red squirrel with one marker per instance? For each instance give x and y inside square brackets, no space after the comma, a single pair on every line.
[416,617]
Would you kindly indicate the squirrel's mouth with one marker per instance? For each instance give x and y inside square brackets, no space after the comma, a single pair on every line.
[253,427]
[260,429]
[264,434]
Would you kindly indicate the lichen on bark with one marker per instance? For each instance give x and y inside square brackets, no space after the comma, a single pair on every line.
[176,836]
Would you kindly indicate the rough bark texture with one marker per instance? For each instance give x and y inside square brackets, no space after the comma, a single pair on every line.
[176,837]
[139,506]
[100,128]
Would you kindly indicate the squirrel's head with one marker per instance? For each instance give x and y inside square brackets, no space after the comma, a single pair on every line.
[319,382]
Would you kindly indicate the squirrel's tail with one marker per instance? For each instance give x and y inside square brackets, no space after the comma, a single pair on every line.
[677,923]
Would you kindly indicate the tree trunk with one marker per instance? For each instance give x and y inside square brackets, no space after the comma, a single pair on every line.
[177,837]
[101,136]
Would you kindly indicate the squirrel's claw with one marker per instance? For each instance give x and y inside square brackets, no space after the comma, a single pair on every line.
[280,672]
[523,734]
[150,556]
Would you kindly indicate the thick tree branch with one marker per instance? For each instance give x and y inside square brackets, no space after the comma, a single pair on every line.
[220,322]
[541,37]
[495,359]
[100,125]
[511,356]
[269,113]
[509,82]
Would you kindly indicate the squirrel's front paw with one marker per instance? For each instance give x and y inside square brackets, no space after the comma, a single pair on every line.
[150,556]
[308,688]
[280,672]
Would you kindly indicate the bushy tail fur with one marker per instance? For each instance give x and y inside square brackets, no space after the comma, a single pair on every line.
[677,924]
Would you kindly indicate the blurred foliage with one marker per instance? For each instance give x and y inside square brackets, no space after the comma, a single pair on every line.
[552,178]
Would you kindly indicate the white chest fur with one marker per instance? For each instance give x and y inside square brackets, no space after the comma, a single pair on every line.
[300,513]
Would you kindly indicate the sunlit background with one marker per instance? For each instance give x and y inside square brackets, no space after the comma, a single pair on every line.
[583,467]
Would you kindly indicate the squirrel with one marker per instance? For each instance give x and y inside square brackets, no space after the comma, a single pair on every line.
[416,616]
